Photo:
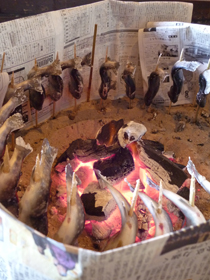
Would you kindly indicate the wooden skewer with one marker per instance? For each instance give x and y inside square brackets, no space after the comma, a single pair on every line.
[169,109]
[57,58]
[192,191]
[135,195]
[75,55]
[92,62]
[13,141]
[160,200]
[2,62]
[36,113]
[196,115]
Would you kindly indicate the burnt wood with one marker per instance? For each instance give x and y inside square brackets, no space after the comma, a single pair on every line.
[87,150]
[116,167]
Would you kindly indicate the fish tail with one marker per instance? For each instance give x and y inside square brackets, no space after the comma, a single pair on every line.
[15,122]
[25,149]
[48,153]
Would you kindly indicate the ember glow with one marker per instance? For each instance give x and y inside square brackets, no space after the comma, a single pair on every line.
[112,223]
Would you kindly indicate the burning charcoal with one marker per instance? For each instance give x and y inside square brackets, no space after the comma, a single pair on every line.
[10,174]
[127,234]
[98,202]
[87,150]
[153,144]
[131,132]
[74,221]
[116,167]
[34,203]
[160,167]
[107,135]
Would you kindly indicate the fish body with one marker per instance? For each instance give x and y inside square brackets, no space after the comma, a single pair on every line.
[37,98]
[201,96]
[178,80]
[161,218]
[76,83]
[18,98]
[10,171]
[201,179]
[128,232]
[128,77]
[55,87]
[153,87]
[105,72]
[12,123]
[192,214]
[74,221]
[34,203]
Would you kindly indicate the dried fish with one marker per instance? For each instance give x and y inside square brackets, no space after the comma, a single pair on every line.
[128,77]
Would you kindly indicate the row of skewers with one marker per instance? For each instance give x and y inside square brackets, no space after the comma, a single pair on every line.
[177,76]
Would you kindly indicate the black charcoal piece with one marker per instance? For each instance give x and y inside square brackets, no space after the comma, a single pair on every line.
[88,200]
[116,167]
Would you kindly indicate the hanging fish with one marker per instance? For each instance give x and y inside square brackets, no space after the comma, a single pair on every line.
[55,87]
[74,221]
[37,98]
[76,83]
[34,203]
[178,76]
[154,83]
[10,173]
[128,77]
[105,72]
[128,232]
[192,214]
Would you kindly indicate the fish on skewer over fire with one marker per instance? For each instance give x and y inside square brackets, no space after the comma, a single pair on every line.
[128,77]
[34,203]
[74,221]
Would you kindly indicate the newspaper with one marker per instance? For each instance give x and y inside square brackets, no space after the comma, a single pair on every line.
[40,37]
[27,254]
[169,38]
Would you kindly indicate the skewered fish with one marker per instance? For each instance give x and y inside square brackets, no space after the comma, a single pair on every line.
[128,77]
[10,173]
[74,221]
[34,203]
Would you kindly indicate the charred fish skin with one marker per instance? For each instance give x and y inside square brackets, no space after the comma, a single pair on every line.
[130,86]
[34,203]
[74,221]
[12,123]
[76,83]
[105,83]
[10,172]
[153,87]
[37,98]
[178,80]
[201,97]
[129,228]
[55,87]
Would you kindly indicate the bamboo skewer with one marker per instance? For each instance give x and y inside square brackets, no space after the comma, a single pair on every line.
[12,82]
[92,62]
[36,116]
[192,191]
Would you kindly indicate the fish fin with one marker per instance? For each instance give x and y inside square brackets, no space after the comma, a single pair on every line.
[48,152]
[6,165]
[135,195]
[25,149]
[15,122]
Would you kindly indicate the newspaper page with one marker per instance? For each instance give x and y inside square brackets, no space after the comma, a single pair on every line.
[42,36]
[169,39]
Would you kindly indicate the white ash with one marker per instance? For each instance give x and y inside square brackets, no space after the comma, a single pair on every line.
[131,132]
